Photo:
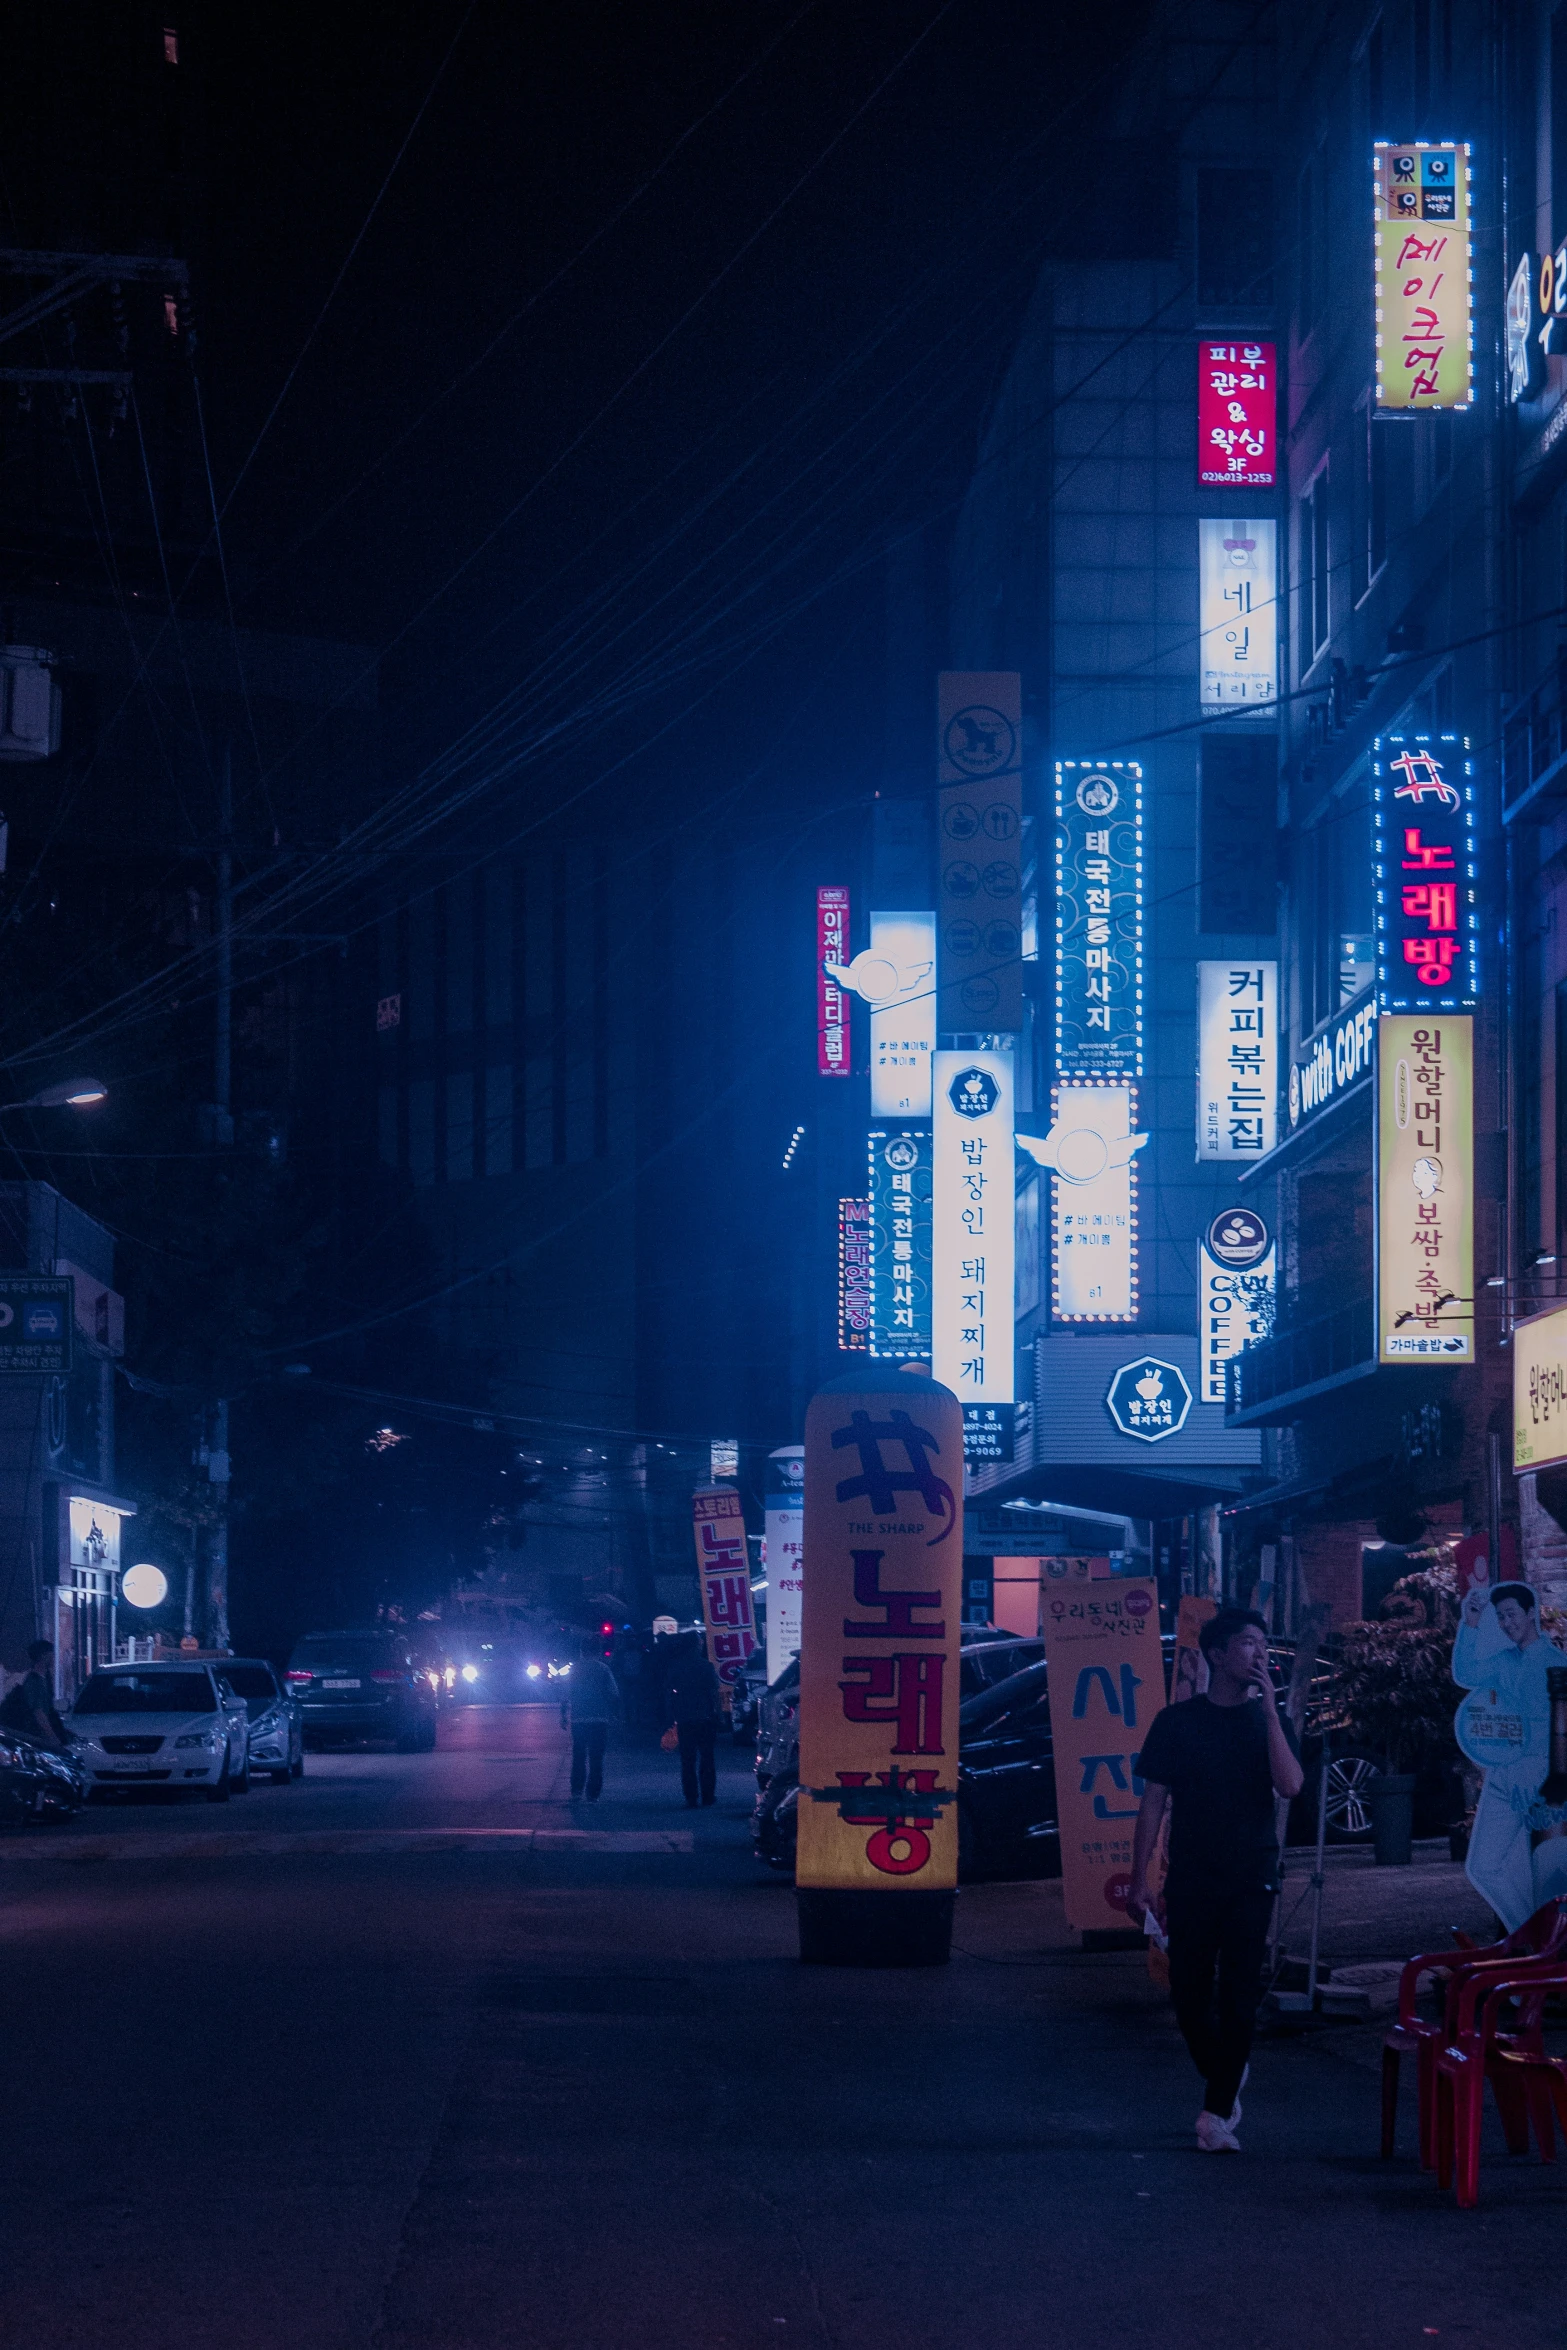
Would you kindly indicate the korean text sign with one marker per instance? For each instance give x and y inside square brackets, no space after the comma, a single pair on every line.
[979,773]
[901,974]
[1424,289]
[1237,410]
[785,1523]
[973,1226]
[1427,874]
[1540,1390]
[1237,1059]
[723,1569]
[1099,918]
[1425,1190]
[1106,1671]
[854,1275]
[832,1004]
[879,1648]
[1238,614]
[1093,1204]
[900,1197]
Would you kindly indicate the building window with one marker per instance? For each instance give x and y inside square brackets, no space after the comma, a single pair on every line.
[1234,239]
[1313,559]
[1311,245]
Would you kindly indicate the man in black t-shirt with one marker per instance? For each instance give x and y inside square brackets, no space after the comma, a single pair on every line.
[1219,1762]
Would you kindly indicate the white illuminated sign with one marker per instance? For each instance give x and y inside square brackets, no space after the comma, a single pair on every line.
[1093,1220]
[1239,1264]
[1099,918]
[784,1555]
[896,976]
[974,1236]
[1237,591]
[1237,1059]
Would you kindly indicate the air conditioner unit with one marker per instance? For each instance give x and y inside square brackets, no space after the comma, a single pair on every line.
[29,704]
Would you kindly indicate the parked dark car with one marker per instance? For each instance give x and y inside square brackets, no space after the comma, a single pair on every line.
[363,1684]
[38,1782]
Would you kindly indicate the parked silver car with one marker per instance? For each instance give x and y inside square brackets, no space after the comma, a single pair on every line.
[277,1719]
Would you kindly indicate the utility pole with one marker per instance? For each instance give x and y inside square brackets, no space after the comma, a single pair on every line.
[223,1136]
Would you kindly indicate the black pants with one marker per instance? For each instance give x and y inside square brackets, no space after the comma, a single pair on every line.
[587,1756]
[696,1748]
[1218,1939]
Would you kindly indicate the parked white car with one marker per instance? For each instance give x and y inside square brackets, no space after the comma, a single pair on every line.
[276,1717]
[168,1725]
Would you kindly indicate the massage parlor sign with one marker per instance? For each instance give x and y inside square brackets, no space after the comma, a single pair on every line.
[880,1630]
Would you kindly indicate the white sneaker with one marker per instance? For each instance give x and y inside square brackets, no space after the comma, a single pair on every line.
[1215,2136]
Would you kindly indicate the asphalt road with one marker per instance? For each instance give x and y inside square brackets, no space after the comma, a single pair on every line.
[422,2054]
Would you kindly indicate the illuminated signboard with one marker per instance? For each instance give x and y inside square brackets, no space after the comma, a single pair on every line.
[784,1518]
[1099,918]
[723,1568]
[1238,607]
[900,966]
[1424,274]
[900,1200]
[1235,1307]
[1237,408]
[832,1003]
[1237,1059]
[1427,919]
[1093,1223]
[979,727]
[1425,1190]
[1333,1057]
[974,1220]
[1539,1390]
[854,1275]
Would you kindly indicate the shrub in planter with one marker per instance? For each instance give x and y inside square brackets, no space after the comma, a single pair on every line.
[1393,1692]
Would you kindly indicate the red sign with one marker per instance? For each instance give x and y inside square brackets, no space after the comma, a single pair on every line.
[832,1005]
[1237,406]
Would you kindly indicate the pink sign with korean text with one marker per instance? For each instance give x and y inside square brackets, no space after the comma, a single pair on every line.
[1237,410]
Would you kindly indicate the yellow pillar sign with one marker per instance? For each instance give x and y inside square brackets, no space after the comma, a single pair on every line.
[1106,1668]
[879,1643]
[1425,1189]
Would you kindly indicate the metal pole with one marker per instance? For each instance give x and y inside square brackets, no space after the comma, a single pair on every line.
[223,1134]
[1318,1876]
[1493,1447]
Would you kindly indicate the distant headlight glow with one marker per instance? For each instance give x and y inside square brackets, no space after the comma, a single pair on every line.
[533,1672]
[470,1672]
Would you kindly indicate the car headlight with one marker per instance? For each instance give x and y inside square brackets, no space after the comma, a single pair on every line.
[266,1725]
[470,1672]
[197,1738]
[533,1672]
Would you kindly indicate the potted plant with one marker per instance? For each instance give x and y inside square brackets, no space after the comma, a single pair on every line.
[1394,1694]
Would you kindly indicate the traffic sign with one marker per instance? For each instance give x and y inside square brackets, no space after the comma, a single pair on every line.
[36,1313]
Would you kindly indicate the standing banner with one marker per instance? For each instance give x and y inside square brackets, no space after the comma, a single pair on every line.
[879,1658]
[1106,1672]
[723,1569]
[979,751]
[785,1516]
[1425,1189]
[832,1003]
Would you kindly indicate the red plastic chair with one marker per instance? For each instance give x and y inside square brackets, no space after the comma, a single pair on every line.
[1542,1936]
[1487,2032]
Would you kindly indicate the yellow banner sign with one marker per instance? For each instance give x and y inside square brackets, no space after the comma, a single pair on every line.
[1424,300]
[1106,1670]
[1425,1189]
[1540,1390]
[879,1636]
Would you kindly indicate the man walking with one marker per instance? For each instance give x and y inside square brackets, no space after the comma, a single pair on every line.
[695,1706]
[1219,1761]
[590,1704]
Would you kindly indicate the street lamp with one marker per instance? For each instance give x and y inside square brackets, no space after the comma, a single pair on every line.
[75,1093]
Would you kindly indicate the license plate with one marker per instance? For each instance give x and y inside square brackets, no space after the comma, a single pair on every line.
[340,1684]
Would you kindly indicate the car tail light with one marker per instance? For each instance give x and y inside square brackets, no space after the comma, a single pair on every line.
[388,1676]
[299,1676]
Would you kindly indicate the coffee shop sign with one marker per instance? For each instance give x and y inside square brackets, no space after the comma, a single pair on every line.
[1333,1059]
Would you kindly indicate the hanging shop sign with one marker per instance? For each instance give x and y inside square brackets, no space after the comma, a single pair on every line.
[723,1569]
[832,1002]
[1237,410]
[854,1275]
[37,1313]
[1099,918]
[1106,1671]
[1235,1305]
[1534,320]
[1427,871]
[1540,1390]
[1089,1150]
[1334,1057]
[1425,1190]
[974,1226]
[1238,614]
[1149,1398]
[979,751]
[897,978]
[900,1210]
[1424,278]
[1237,1059]
[879,1650]
[784,1513]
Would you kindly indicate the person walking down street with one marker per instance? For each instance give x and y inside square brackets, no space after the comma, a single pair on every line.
[696,1707]
[30,1706]
[1218,1761]
[591,1703]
